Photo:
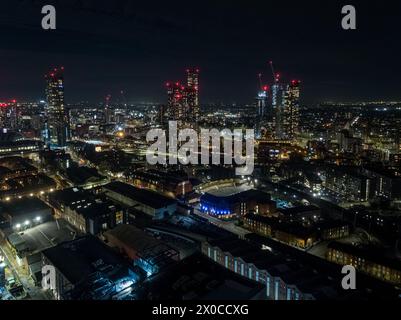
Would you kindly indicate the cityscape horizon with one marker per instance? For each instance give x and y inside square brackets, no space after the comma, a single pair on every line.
[200,159]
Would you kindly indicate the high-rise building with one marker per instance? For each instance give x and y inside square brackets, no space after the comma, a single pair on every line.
[183,101]
[193,92]
[278,104]
[10,115]
[177,102]
[57,131]
[262,111]
[108,112]
[291,110]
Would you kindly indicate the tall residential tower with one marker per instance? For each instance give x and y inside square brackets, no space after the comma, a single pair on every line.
[57,131]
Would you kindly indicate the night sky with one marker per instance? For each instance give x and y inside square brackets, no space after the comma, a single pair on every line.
[136,46]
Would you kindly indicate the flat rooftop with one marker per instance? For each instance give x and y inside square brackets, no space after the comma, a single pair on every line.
[45,235]
[147,197]
[228,191]
[137,239]
[18,207]
[79,258]
[196,278]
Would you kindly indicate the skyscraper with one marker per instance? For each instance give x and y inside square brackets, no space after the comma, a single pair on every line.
[10,115]
[193,92]
[261,110]
[177,102]
[57,118]
[183,101]
[291,109]
[278,103]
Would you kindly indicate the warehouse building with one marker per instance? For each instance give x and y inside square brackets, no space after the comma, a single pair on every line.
[149,202]
[142,249]
[86,269]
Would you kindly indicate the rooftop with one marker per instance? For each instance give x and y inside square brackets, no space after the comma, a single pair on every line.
[298,210]
[138,239]
[277,224]
[77,259]
[147,197]
[20,207]
[251,194]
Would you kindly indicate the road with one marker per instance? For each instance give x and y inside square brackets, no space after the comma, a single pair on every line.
[226,225]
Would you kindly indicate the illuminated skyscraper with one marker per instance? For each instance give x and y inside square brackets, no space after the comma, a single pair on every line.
[10,115]
[278,103]
[57,117]
[291,110]
[183,101]
[261,110]
[193,92]
[177,102]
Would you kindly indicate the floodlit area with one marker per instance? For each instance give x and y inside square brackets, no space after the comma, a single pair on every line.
[225,191]
[47,235]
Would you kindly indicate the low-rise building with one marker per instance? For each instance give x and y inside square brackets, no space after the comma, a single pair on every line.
[87,269]
[25,213]
[333,229]
[149,202]
[300,213]
[87,212]
[238,204]
[367,260]
[142,249]
[293,234]
[170,184]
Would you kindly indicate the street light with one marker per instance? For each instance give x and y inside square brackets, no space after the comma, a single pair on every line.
[18,226]
[37,219]
[27,222]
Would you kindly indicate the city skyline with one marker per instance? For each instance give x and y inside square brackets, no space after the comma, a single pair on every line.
[188,152]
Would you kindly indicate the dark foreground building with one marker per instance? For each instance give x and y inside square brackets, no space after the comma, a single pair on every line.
[86,269]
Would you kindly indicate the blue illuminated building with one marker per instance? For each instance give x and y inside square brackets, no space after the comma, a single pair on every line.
[237,204]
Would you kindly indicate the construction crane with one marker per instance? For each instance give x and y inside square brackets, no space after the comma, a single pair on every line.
[123,98]
[260,81]
[276,76]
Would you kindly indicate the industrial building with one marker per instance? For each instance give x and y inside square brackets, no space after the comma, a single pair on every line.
[149,202]
[142,249]
[168,183]
[87,212]
[25,213]
[288,273]
[86,269]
